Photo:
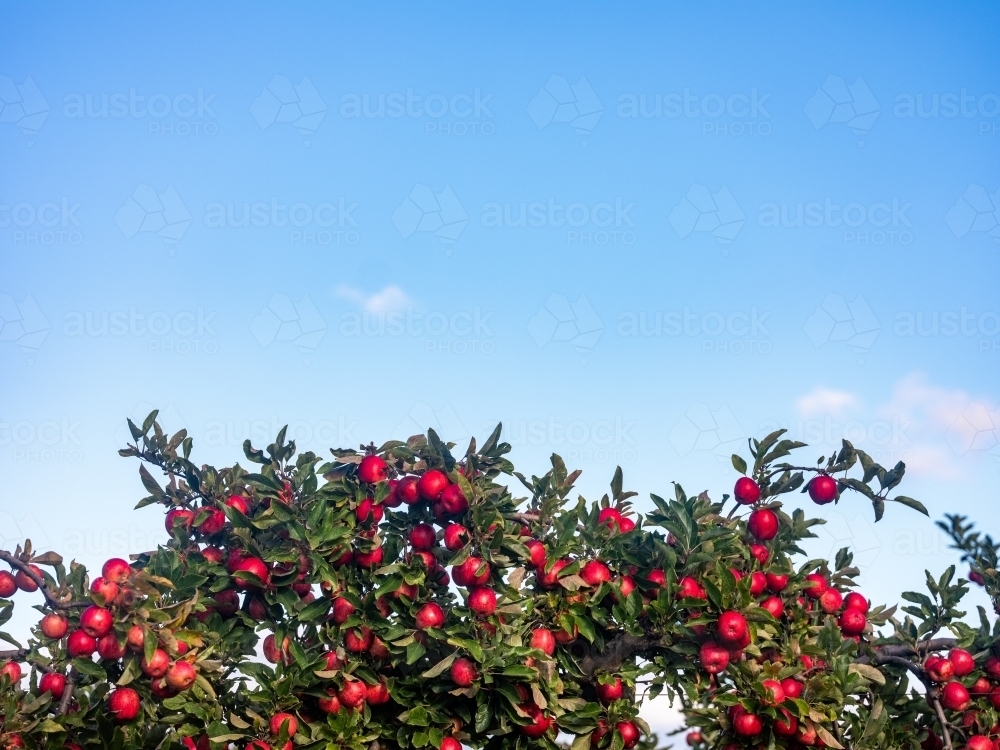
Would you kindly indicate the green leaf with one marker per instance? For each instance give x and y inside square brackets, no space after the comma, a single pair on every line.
[89,669]
[440,667]
[740,465]
[909,502]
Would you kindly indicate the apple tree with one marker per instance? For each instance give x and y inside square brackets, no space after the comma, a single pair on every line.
[412,596]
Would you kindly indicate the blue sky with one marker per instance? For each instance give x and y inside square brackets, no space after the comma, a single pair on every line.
[634,234]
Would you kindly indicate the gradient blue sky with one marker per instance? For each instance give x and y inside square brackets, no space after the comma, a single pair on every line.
[830,353]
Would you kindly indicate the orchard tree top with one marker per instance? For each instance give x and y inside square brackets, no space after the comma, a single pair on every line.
[404,597]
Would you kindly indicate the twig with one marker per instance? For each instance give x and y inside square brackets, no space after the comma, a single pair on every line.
[524,517]
[68,693]
[14,654]
[40,582]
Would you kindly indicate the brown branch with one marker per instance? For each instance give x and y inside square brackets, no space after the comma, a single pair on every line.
[67,695]
[616,652]
[14,654]
[39,581]
[524,517]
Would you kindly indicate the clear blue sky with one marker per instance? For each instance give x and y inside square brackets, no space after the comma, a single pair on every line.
[634,234]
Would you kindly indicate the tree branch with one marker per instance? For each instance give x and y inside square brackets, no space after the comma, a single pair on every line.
[39,581]
[616,652]
[68,693]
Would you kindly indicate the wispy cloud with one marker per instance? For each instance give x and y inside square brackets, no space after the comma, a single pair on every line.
[822,400]
[388,299]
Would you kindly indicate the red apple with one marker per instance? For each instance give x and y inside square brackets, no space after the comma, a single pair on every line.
[463,672]
[408,491]
[595,573]
[483,601]
[96,621]
[954,696]
[453,500]
[353,693]
[181,675]
[8,585]
[156,666]
[853,622]
[177,519]
[372,469]
[254,566]
[54,683]
[54,626]
[377,694]
[286,720]
[422,536]
[431,484]
[629,733]
[358,640]
[238,502]
[430,616]
[822,489]
[456,536]
[731,628]
[608,694]
[536,554]
[25,582]
[854,600]
[124,704]
[763,524]
[108,647]
[542,639]
[116,570]
[961,661]
[714,657]
[746,491]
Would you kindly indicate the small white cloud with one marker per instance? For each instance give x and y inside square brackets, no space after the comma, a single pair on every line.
[822,400]
[389,299]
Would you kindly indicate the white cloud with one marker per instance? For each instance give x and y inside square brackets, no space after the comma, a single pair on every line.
[390,298]
[822,400]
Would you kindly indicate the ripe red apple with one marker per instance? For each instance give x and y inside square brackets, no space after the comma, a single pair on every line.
[747,725]
[369,512]
[271,652]
[542,639]
[537,554]
[238,502]
[372,469]
[456,536]
[450,743]
[331,703]
[549,579]
[254,566]
[776,582]
[595,573]
[731,628]
[54,626]
[287,720]
[822,489]
[854,600]
[342,609]
[758,583]
[107,590]
[181,675]
[954,696]
[358,640]
[116,570]
[939,669]
[8,585]
[108,647]
[979,742]
[463,672]
[431,484]
[136,638]
[483,601]
[816,584]
[540,723]
[610,517]
[608,694]
[853,622]
[96,621]
[213,523]
[774,694]
[980,687]
[453,500]
[25,582]
[774,605]
[992,667]
[423,537]
[353,693]
[976,577]
[786,726]
[629,733]
[124,704]
[474,571]
[626,585]
[626,525]
[658,577]
[370,559]
[746,491]
[430,616]
[792,687]
[157,666]
[714,657]
[11,670]
[830,601]
[52,682]
[408,490]
[377,694]
[227,602]
[689,588]
[177,519]
[763,524]
[961,661]
[760,553]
